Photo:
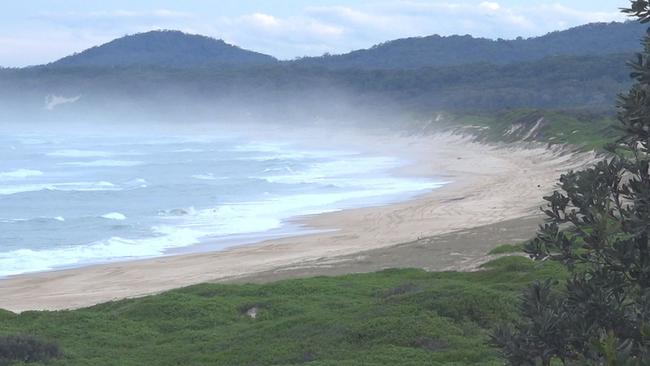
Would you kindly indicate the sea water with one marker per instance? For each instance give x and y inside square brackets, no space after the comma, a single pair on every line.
[69,202]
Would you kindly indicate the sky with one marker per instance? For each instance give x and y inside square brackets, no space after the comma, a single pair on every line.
[39,31]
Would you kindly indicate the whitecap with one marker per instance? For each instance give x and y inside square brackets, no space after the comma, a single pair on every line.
[73,153]
[208,176]
[283,151]
[188,150]
[116,248]
[114,216]
[20,174]
[102,163]
[75,186]
[137,183]
[325,172]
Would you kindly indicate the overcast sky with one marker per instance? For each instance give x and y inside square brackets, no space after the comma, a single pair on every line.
[39,31]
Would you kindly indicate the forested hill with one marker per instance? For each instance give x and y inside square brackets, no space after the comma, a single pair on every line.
[434,51]
[167,73]
[290,92]
[180,50]
[165,49]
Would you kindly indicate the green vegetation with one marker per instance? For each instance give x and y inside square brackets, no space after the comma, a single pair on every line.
[165,48]
[299,95]
[27,349]
[436,51]
[180,50]
[589,131]
[406,317]
[592,307]
[507,249]
[598,227]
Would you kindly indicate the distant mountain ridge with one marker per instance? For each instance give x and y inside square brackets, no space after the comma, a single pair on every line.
[167,73]
[593,39]
[166,48]
[176,49]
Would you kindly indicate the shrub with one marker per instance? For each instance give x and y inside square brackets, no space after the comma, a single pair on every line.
[598,226]
[27,349]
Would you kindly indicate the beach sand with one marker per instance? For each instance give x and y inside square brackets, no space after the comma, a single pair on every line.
[492,189]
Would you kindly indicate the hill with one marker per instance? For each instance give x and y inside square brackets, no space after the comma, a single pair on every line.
[165,74]
[434,51]
[173,49]
[176,49]
[293,93]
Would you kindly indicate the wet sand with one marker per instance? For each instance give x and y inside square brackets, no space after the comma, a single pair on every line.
[489,185]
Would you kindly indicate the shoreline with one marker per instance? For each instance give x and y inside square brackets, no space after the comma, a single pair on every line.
[436,253]
[491,184]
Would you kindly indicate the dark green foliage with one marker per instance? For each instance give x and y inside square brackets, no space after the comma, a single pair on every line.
[293,93]
[26,349]
[507,249]
[587,130]
[436,51]
[168,75]
[598,226]
[179,50]
[393,317]
[164,48]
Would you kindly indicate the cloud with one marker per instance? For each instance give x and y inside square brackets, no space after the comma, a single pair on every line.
[309,30]
[285,37]
[490,5]
[304,27]
[262,20]
[120,13]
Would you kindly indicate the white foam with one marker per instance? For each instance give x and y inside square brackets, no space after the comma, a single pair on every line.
[339,180]
[5,221]
[325,172]
[102,163]
[116,248]
[208,176]
[73,153]
[76,186]
[234,221]
[188,150]
[114,216]
[20,174]
[137,183]
[282,151]
[39,219]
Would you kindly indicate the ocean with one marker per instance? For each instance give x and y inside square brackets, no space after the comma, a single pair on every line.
[74,201]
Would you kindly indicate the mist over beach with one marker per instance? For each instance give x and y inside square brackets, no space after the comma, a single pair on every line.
[332,182]
[70,201]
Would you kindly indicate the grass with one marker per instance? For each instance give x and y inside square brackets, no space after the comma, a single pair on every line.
[405,317]
[580,129]
[507,249]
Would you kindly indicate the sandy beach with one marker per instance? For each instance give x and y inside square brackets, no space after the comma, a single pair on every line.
[488,185]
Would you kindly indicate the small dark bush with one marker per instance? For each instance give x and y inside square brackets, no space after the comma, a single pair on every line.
[430,344]
[18,348]
[402,289]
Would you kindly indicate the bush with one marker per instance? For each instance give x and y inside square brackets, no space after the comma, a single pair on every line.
[507,249]
[27,349]
[598,227]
